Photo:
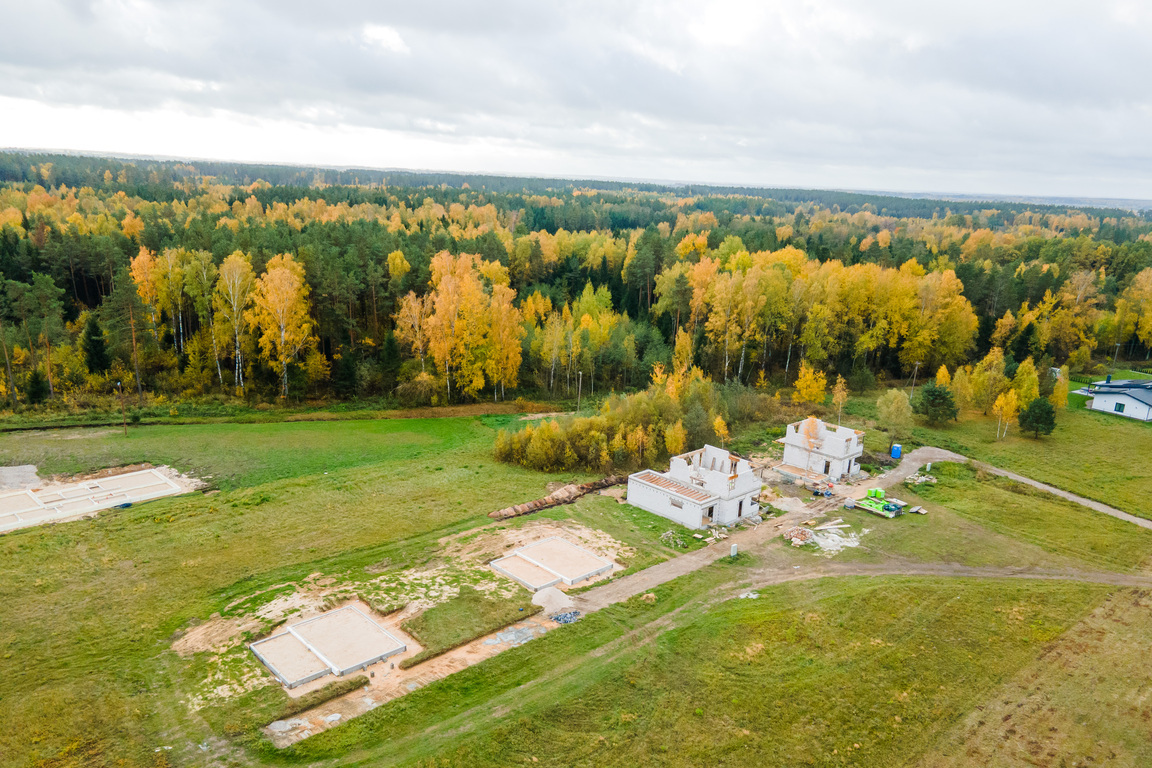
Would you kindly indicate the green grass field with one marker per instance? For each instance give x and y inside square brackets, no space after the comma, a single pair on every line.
[91,606]
[808,670]
[1097,455]
[465,617]
[993,521]
[827,673]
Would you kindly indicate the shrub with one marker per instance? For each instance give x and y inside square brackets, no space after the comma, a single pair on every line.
[418,392]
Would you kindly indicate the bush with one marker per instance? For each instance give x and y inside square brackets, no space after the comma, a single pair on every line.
[418,392]
[861,380]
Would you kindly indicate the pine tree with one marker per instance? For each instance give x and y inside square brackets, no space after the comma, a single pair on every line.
[96,355]
[1038,418]
[936,403]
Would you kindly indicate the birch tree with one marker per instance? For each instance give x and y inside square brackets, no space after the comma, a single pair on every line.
[280,312]
[232,298]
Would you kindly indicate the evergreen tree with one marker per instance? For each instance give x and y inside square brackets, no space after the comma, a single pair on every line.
[36,388]
[1038,418]
[936,403]
[96,355]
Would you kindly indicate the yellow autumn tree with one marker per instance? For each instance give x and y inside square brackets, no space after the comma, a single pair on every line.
[412,323]
[457,330]
[280,313]
[1026,382]
[675,438]
[943,379]
[962,388]
[810,385]
[146,276]
[1059,396]
[232,297]
[1006,409]
[505,332]
[721,430]
[839,396]
[398,266]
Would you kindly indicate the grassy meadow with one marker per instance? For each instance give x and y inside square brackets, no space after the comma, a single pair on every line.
[979,519]
[91,606]
[799,676]
[1097,455]
[833,672]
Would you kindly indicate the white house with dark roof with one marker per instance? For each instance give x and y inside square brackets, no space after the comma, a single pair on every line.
[1131,398]
[701,488]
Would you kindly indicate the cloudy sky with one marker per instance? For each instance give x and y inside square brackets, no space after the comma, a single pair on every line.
[1039,97]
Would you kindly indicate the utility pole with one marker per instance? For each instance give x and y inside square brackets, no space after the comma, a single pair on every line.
[914,372]
[579,382]
[123,411]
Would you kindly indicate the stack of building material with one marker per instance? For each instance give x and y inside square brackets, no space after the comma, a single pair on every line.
[565,495]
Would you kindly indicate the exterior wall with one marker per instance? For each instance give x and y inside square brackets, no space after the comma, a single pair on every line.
[718,481]
[840,448]
[729,512]
[1133,408]
[659,502]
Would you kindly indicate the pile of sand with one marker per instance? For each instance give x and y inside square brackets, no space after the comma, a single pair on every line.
[552,600]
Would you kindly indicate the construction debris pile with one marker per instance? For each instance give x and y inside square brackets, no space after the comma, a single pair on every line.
[674,539]
[566,618]
[919,479]
[799,536]
[831,537]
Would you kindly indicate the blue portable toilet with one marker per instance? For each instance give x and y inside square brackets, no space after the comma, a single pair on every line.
[896,451]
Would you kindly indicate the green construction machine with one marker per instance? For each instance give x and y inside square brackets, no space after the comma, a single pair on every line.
[878,504]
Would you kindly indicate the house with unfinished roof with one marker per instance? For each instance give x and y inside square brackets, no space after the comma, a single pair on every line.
[819,452]
[709,486]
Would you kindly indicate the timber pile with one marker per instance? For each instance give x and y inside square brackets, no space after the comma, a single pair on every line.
[565,495]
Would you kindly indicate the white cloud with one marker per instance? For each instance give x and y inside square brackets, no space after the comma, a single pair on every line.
[1034,97]
[384,38]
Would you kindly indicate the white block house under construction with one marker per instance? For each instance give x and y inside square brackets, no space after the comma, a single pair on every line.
[815,451]
[701,488]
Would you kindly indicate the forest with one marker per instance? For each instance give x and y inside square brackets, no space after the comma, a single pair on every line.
[181,280]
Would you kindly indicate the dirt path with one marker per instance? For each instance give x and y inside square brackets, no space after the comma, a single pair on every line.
[921,456]
[764,577]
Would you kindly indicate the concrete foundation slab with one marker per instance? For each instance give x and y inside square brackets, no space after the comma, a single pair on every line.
[568,561]
[22,508]
[531,576]
[549,562]
[335,643]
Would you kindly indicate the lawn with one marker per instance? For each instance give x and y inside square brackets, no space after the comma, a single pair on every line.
[464,618]
[827,673]
[1097,455]
[1081,703]
[91,606]
[979,519]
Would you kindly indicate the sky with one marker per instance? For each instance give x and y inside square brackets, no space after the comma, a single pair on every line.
[1021,97]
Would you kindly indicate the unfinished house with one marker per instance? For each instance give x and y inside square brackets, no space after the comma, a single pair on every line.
[819,452]
[709,486]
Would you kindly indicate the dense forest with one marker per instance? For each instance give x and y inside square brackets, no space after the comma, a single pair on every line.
[182,280]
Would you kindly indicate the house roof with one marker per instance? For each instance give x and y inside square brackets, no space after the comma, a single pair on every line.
[695,495]
[1137,389]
